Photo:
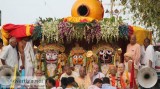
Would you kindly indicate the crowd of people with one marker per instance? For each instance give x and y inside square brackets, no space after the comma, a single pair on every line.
[120,76]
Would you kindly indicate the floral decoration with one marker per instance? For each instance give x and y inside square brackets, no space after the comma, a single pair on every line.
[65,31]
[109,29]
[50,31]
[58,30]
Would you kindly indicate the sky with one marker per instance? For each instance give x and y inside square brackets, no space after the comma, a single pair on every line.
[28,11]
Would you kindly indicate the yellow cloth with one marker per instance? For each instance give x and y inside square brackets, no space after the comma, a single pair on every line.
[5,36]
[28,33]
[141,34]
[126,78]
[78,19]
[14,77]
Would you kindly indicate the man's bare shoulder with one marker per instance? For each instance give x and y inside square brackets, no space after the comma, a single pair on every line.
[21,44]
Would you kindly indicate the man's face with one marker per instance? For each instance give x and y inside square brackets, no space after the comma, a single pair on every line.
[146,43]
[1,45]
[99,85]
[133,39]
[120,68]
[48,84]
[68,71]
[39,73]
[113,70]
[126,58]
[14,43]
[96,69]
[82,72]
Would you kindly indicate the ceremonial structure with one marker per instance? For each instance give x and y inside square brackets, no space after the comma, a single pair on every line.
[81,40]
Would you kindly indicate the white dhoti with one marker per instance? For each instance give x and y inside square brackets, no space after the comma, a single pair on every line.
[29,59]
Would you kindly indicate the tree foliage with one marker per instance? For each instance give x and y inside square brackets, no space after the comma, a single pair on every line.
[146,11]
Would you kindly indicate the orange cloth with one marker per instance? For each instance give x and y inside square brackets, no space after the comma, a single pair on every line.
[125,79]
[122,82]
[112,80]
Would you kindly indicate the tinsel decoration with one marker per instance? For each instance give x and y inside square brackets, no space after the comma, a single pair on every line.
[123,31]
[130,32]
[37,33]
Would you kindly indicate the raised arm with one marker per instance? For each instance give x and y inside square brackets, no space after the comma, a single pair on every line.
[22,56]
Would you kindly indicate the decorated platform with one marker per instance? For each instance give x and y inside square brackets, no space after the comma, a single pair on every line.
[82,39]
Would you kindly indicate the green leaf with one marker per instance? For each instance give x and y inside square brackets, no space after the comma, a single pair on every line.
[112,19]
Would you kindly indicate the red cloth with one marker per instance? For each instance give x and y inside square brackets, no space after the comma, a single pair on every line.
[132,76]
[57,83]
[17,31]
[132,80]
[157,67]
[130,30]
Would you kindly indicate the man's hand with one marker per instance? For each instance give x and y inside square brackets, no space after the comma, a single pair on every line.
[150,63]
[3,61]
[22,67]
[91,74]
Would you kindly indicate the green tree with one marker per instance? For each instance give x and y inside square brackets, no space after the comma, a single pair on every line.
[147,12]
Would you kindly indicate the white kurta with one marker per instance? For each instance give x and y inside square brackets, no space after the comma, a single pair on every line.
[148,54]
[0,59]
[74,74]
[126,65]
[99,75]
[93,87]
[29,59]
[9,54]
[107,86]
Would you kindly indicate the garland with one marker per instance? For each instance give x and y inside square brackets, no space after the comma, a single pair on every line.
[109,29]
[58,30]
[50,31]
[65,31]
[93,31]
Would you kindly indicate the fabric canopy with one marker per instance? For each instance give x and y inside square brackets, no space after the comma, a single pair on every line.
[141,34]
[18,31]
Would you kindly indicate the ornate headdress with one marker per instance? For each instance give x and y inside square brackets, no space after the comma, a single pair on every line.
[55,47]
[77,50]
[97,48]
